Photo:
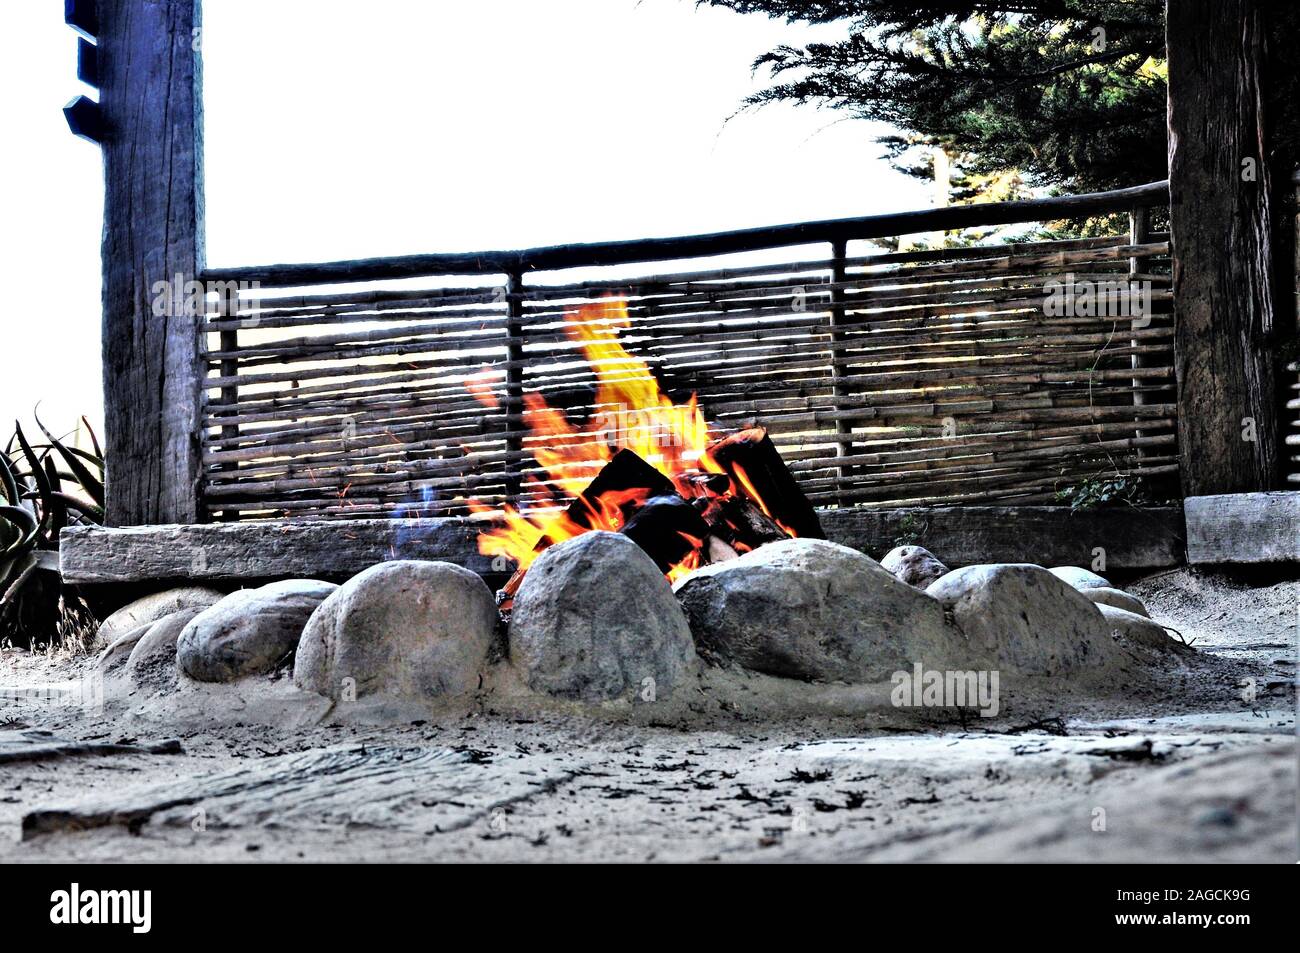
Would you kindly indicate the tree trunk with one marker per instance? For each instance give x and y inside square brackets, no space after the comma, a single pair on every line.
[1224,266]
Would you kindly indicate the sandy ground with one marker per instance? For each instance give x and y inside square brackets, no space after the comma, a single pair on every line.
[1193,759]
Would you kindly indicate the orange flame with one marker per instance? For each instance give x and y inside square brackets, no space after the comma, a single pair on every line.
[690,561]
[479,385]
[630,412]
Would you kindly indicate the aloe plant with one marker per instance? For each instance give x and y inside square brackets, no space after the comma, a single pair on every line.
[44,487]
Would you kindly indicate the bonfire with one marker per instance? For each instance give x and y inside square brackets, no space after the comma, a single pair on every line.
[688,493]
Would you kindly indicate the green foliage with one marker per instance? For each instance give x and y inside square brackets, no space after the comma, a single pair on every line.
[1105,490]
[44,487]
[909,531]
[1067,93]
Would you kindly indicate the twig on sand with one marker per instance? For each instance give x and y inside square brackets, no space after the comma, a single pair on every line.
[1053,726]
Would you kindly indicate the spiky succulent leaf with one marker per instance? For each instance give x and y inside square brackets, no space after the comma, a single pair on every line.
[25,521]
[41,479]
[58,509]
[93,486]
[8,482]
[84,454]
[89,510]
[94,441]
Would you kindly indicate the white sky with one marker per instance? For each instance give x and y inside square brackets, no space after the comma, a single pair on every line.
[340,129]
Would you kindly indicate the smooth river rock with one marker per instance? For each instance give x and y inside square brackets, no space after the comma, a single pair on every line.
[406,629]
[249,632]
[152,663]
[1139,631]
[1079,578]
[1027,619]
[1104,595]
[595,619]
[151,608]
[914,565]
[812,609]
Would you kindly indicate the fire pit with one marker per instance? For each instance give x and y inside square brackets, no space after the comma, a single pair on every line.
[644,543]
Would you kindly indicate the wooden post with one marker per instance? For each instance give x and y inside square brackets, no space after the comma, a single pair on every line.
[839,274]
[514,377]
[151,98]
[1221,224]
[229,342]
[1137,234]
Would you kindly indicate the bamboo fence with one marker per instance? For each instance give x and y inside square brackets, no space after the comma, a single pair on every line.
[1292,439]
[903,378]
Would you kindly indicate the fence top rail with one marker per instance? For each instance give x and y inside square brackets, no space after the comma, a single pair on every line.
[556,257]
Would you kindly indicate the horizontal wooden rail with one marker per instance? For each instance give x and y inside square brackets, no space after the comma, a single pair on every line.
[1136,539]
[522,261]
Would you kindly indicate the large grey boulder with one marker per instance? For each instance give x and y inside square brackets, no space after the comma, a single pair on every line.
[812,609]
[1104,595]
[914,565]
[406,629]
[1138,631]
[1026,618]
[595,619]
[151,608]
[249,632]
[1079,578]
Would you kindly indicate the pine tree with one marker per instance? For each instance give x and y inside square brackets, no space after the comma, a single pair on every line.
[1066,93]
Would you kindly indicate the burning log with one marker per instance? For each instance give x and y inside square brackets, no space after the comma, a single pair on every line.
[708,484]
[753,461]
[626,482]
[694,517]
[738,521]
[667,527]
[610,501]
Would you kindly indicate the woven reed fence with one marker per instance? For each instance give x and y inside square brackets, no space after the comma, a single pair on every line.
[1291,440]
[918,377]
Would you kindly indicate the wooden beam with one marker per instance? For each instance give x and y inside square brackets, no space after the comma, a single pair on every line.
[85,119]
[224,552]
[1243,528]
[1131,538]
[82,16]
[336,549]
[151,100]
[87,62]
[694,246]
[1221,214]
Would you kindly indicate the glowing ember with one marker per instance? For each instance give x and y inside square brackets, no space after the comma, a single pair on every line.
[632,413]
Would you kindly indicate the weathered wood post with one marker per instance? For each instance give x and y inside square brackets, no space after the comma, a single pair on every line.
[229,343]
[839,297]
[151,98]
[1138,228]
[514,382]
[1221,222]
